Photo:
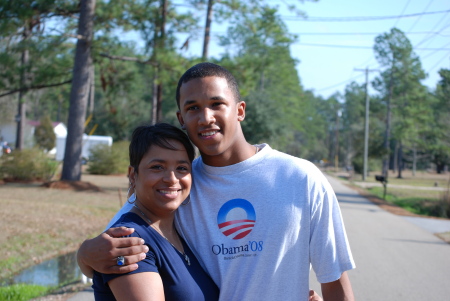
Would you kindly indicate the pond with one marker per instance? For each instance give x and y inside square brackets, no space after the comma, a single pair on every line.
[54,272]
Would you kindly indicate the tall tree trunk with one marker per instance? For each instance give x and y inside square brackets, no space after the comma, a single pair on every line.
[414,160]
[21,117]
[395,157]
[159,47]
[387,135]
[155,97]
[207,30]
[79,93]
[400,160]
[91,89]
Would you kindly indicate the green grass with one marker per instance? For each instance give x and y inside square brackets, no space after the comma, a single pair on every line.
[22,292]
[426,203]
[421,178]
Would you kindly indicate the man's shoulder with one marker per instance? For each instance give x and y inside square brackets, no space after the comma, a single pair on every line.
[285,158]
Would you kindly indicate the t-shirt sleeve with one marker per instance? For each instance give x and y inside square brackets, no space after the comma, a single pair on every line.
[330,253]
[146,265]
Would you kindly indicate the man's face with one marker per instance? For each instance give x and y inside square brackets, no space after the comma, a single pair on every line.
[211,115]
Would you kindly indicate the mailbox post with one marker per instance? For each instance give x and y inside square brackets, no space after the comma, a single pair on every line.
[383,181]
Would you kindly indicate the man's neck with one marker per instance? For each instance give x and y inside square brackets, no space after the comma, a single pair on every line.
[230,157]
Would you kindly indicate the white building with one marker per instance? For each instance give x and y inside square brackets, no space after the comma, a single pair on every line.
[88,143]
[8,134]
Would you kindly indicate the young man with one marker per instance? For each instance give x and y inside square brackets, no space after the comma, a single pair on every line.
[257,218]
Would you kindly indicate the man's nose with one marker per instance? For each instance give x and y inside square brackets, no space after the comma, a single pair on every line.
[207,116]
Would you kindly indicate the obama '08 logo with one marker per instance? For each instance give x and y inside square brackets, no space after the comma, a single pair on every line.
[236,218]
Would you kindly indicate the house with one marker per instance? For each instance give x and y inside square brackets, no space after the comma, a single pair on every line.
[8,134]
[88,143]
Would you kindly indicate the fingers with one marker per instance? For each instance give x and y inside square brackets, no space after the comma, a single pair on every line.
[131,254]
[130,261]
[313,296]
[101,252]
[122,269]
[119,231]
[128,242]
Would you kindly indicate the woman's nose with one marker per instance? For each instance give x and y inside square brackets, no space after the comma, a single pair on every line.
[170,177]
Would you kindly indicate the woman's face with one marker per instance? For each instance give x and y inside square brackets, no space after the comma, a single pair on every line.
[163,180]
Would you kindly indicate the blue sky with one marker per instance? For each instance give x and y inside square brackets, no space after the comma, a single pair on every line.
[326,70]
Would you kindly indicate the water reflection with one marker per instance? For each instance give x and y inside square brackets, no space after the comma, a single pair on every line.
[54,272]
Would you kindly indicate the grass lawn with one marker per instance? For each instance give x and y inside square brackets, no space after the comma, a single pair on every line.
[422,193]
[39,223]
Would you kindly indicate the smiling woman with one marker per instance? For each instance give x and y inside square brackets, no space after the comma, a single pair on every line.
[160,176]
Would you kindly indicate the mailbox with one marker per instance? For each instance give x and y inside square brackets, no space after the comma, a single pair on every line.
[380,178]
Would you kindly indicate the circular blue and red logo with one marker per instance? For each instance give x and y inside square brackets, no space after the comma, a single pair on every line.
[236,218]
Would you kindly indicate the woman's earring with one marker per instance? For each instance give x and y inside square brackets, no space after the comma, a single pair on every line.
[130,196]
[183,127]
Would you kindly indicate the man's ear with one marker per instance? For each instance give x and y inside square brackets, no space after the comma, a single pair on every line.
[241,110]
[180,120]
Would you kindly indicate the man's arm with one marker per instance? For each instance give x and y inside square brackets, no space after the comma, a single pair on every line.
[339,290]
[101,252]
[313,296]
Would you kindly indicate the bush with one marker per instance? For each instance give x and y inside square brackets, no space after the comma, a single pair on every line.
[44,134]
[358,164]
[27,165]
[106,160]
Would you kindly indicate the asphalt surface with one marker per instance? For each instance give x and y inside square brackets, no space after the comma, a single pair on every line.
[397,258]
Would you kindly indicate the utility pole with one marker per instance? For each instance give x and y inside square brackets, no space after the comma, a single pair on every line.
[366,127]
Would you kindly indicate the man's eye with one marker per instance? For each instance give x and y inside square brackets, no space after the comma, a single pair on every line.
[192,108]
[217,104]
[156,167]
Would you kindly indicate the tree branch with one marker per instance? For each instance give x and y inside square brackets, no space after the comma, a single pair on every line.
[129,59]
[35,88]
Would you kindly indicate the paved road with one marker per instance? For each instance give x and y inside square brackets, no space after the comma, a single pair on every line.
[396,259]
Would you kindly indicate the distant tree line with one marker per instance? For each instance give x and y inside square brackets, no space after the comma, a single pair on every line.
[68,60]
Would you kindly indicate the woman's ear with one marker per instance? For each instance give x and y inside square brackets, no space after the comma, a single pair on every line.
[131,175]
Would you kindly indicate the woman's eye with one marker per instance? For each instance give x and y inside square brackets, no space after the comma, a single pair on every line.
[183,168]
[192,108]
[156,167]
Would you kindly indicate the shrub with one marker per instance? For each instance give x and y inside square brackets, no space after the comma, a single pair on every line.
[44,134]
[27,165]
[106,160]
[358,164]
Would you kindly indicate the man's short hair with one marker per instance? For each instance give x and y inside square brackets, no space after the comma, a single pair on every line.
[206,70]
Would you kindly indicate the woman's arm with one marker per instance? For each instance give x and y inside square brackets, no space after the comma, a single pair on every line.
[146,286]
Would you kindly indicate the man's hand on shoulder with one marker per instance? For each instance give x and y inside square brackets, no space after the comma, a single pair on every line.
[313,296]
[100,253]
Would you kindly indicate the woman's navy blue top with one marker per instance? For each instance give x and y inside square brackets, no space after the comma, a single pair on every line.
[181,281]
